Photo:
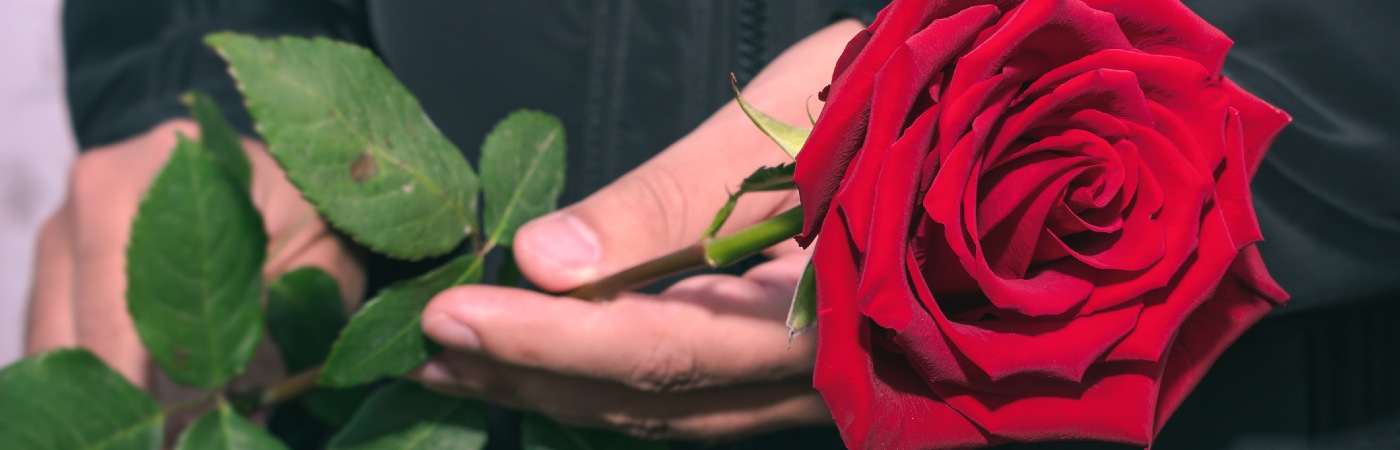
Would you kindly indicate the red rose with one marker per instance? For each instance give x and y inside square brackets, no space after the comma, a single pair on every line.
[1035,220]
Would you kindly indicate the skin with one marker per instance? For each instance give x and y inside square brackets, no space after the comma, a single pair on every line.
[706,359]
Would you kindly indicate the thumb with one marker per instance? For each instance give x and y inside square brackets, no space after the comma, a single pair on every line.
[657,208]
[666,203]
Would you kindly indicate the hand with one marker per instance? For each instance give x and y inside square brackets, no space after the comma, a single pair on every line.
[706,359]
[78,298]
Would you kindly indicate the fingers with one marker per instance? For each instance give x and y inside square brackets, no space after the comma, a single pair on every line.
[723,330]
[727,413]
[50,322]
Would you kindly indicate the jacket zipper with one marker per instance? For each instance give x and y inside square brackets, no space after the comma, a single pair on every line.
[752,40]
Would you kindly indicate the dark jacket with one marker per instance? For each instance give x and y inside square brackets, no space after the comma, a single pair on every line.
[628,77]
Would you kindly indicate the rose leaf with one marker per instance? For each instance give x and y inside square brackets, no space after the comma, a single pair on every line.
[405,416]
[194,270]
[356,142]
[386,338]
[304,316]
[224,429]
[219,137]
[522,172]
[69,399]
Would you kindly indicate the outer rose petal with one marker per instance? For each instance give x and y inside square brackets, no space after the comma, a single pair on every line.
[1243,298]
[1262,123]
[898,84]
[1115,404]
[890,207]
[1167,27]
[841,127]
[876,399]
[1232,187]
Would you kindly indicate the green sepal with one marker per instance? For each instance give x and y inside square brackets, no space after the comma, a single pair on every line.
[791,138]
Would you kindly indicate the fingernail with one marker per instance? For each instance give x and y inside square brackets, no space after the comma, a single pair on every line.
[564,241]
[449,332]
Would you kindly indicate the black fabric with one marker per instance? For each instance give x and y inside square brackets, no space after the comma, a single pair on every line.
[863,10]
[129,61]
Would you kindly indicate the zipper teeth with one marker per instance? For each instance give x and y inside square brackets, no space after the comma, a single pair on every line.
[753,39]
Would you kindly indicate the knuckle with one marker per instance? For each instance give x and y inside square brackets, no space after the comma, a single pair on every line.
[667,368]
[661,192]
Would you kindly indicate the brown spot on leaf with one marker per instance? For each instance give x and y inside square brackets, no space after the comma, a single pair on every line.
[363,168]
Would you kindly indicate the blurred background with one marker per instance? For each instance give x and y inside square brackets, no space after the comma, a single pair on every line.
[36,147]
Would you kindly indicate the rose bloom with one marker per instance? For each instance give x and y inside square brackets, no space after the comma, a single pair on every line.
[1032,221]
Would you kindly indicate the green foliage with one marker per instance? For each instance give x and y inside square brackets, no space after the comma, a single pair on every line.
[405,416]
[775,178]
[522,172]
[765,179]
[803,312]
[194,270]
[356,142]
[68,399]
[386,338]
[789,137]
[224,429]
[219,137]
[305,314]
[540,433]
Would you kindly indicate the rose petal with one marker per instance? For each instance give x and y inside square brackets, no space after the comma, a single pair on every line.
[1113,92]
[952,202]
[1211,329]
[840,129]
[1004,349]
[1249,269]
[1187,101]
[896,87]
[1190,287]
[1168,28]
[1232,188]
[1052,31]
[1180,218]
[1115,403]
[1012,209]
[1262,123]
[880,296]
[876,399]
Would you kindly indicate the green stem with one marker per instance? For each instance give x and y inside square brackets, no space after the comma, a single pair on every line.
[716,252]
[290,388]
[747,242]
[689,258]
[258,399]
[187,405]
